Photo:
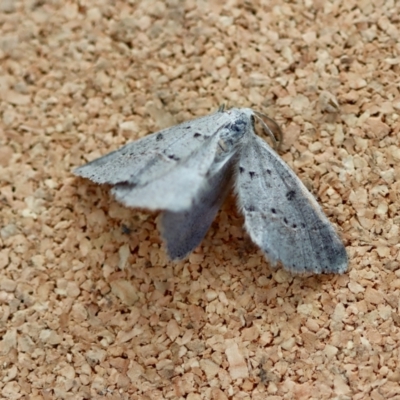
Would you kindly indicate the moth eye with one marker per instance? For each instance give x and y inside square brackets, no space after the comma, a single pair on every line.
[237,126]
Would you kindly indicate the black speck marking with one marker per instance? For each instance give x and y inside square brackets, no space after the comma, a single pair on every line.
[197,134]
[285,220]
[241,170]
[294,226]
[173,157]
[268,171]
[290,195]
[187,127]
[273,210]
[159,137]
[250,208]
[252,174]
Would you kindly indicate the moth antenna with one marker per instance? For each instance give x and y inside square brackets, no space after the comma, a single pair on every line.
[275,133]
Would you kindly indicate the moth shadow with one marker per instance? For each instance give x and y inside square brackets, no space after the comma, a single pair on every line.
[102,219]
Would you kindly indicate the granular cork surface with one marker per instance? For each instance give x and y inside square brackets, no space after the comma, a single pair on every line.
[90,305]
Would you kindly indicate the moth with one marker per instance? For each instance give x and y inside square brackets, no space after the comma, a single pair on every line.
[186,171]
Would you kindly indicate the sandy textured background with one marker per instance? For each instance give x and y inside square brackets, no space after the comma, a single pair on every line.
[90,307]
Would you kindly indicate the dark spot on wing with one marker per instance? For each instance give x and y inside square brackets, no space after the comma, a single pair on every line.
[273,210]
[197,134]
[187,127]
[159,137]
[173,157]
[268,171]
[294,226]
[241,170]
[285,220]
[290,195]
[252,174]
[125,185]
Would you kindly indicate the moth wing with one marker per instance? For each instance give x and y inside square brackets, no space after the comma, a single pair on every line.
[183,231]
[177,189]
[282,217]
[152,156]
